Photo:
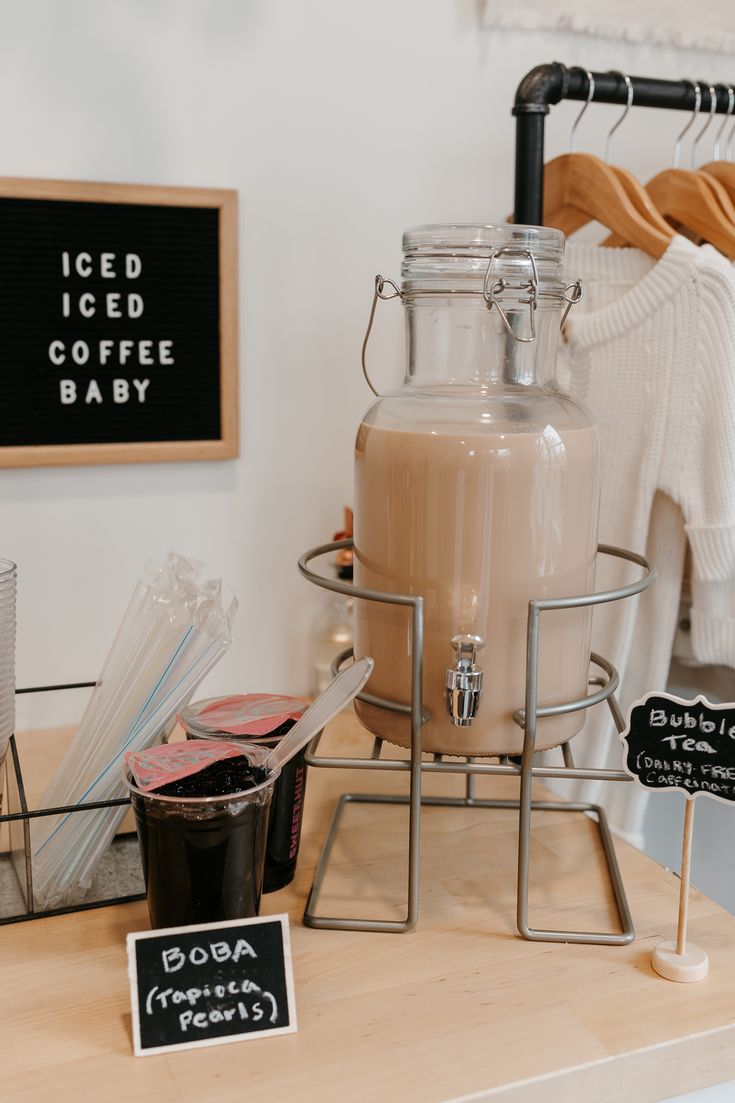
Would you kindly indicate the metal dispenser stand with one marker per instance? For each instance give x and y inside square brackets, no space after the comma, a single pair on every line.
[525,717]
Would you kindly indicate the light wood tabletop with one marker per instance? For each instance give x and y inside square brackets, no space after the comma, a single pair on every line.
[460,1007]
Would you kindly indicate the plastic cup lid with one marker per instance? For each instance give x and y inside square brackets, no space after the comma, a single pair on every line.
[245,714]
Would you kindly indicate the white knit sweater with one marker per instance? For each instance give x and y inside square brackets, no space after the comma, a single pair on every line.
[651,351]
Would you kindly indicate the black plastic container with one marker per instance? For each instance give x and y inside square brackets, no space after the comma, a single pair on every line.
[199,721]
[284,827]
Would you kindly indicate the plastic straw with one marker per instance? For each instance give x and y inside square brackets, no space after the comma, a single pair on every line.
[173,632]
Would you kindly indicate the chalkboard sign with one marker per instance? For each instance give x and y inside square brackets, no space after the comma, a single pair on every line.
[118,330]
[684,745]
[211,983]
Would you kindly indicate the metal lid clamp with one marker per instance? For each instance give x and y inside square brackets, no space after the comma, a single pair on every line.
[491,291]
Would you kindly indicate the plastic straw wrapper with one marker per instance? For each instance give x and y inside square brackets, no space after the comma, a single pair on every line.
[173,632]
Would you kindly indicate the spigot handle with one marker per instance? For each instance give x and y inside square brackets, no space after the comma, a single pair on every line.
[466,648]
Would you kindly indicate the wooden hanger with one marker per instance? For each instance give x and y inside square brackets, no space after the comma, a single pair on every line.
[580,188]
[696,200]
[724,173]
[642,201]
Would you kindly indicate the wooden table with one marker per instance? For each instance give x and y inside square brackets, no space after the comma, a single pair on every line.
[461,1005]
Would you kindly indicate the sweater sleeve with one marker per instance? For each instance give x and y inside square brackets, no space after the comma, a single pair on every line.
[699,465]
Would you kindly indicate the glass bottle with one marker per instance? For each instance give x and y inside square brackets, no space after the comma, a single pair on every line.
[477,486]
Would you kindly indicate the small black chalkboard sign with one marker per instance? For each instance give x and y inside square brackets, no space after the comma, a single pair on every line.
[689,746]
[210,983]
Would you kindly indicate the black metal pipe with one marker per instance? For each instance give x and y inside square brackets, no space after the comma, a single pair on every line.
[528,202]
[549,84]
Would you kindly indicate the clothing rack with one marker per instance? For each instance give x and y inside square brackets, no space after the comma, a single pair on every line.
[549,84]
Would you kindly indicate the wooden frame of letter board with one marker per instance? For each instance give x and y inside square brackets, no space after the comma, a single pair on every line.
[227,445]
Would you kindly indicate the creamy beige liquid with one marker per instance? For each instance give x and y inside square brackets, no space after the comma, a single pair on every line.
[479,523]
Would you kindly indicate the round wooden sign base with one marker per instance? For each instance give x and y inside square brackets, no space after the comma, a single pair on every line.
[692,965]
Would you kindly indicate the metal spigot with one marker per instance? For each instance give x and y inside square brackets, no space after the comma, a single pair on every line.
[464,681]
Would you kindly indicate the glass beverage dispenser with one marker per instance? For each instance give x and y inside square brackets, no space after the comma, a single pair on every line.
[477,486]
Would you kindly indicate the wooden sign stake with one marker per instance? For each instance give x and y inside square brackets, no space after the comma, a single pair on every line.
[677,960]
[685,746]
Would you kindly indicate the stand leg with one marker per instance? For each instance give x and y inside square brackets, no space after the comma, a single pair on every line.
[524,833]
[417,721]
[525,806]
[471,785]
[311,919]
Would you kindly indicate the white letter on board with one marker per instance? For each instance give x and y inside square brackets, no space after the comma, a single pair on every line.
[56,352]
[126,347]
[242,949]
[120,390]
[86,304]
[68,389]
[133,267]
[135,305]
[164,352]
[94,394]
[220,951]
[106,347]
[113,304]
[84,265]
[141,386]
[106,269]
[80,352]
[173,959]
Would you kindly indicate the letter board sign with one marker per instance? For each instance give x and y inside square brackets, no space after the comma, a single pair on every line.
[118,308]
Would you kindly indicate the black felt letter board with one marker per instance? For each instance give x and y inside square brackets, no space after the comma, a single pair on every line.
[118,325]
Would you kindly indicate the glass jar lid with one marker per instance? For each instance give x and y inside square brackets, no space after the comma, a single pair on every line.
[466,257]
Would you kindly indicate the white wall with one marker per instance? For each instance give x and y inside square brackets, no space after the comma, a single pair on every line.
[339,123]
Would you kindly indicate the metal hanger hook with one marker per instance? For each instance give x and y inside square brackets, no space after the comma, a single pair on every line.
[575,124]
[697,105]
[723,124]
[728,143]
[712,109]
[629,104]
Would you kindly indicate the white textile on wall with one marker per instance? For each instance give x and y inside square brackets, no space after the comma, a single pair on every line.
[678,23]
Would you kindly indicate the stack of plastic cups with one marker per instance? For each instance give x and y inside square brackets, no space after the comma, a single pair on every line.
[7,662]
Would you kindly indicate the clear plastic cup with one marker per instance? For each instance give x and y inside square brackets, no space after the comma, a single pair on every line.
[203,857]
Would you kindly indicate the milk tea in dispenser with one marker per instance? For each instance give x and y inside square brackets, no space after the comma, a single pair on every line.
[477,486]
